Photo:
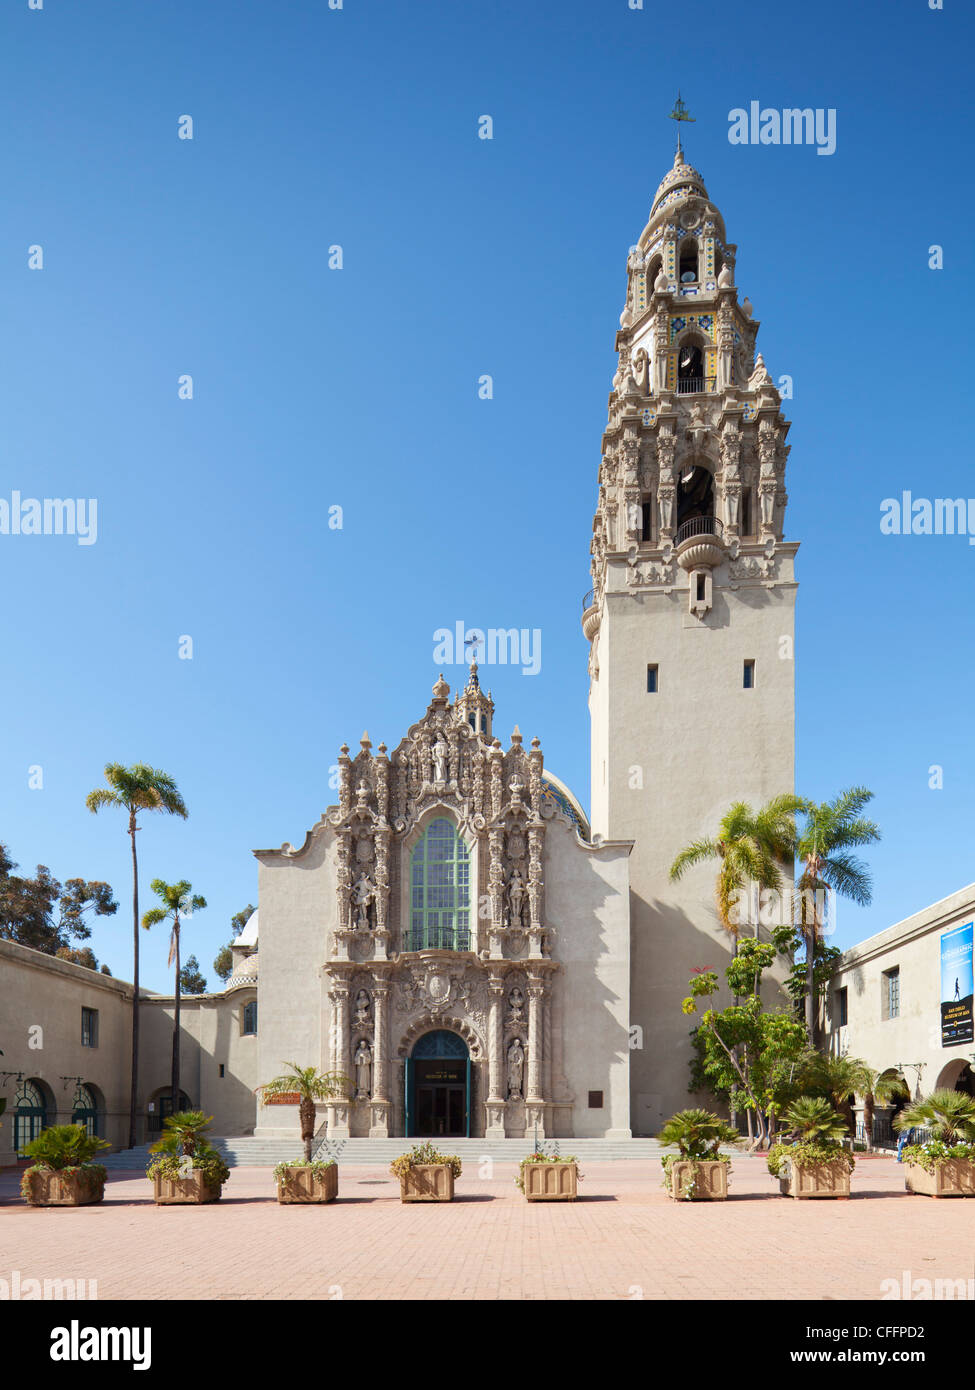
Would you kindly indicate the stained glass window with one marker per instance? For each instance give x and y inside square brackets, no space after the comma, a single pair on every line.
[440,877]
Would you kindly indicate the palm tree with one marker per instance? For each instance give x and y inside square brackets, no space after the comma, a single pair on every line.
[753,848]
[309,1085]
[884,1088]
[837,1078]
[830,830]
[134,789]
[180,901]
[697,1133]
[815,1121]
[949,1115]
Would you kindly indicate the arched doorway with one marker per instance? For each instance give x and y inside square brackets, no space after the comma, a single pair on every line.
[84,1108]
[438,1087]
[957,1076]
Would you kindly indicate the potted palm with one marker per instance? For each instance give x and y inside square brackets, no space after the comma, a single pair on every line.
[62,1174]
[698,1171]
[814,1162]
[545,1178]
[301,1179]
[189,1170]
[944,1165]
[425,1174]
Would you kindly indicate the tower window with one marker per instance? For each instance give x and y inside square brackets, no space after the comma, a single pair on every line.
[688,263]
[249,1021]
[748,680]
[702,587]
[746,511]
[646,521]
[651,680]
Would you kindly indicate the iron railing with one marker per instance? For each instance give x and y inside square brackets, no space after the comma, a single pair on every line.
[698,526]
[587,601]
[693,385]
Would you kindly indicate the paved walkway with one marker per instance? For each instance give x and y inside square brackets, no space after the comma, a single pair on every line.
[623,1239]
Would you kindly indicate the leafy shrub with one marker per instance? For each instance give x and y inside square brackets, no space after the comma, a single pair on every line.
[935,1152]
[183,1138]
[420,1154]
[66,1149]
[949,1115]
[318,1169]
[538,1157]
[808,1154]
[817,1129]
[697,1133]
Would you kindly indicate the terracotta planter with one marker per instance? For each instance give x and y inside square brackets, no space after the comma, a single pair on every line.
[300,1185]
[825,1180]
[551,1182]
[65,1189]
[956,1178]
[192,1191]
[428,1182]
[706,1176]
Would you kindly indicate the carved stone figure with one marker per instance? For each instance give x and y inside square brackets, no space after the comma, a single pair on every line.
[516,1004]
[440,753]
[363,1070]
[516,898]
[362,1007]
[516,1069]
[363,897]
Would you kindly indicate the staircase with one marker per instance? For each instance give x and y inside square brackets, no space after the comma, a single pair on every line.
[253,1152]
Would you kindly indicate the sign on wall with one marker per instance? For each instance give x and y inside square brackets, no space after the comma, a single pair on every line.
[957,987]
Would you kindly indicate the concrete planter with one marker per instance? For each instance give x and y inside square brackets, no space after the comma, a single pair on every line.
[191,1191]
[300,1185]
[67,1188]
[428,1182]
[825,1180]
[551,1182]
[956,1178]
[699,1180]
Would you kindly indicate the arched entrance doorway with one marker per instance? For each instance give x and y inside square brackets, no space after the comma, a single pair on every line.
[957,1076]
[438,1087]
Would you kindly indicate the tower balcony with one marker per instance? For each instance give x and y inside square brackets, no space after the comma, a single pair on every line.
[590,615]
[696,385]
[699,543]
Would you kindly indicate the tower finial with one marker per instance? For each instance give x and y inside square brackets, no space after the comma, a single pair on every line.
[679,114]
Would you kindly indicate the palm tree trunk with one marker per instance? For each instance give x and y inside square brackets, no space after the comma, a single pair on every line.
[811,1010]
[134,1093]
[306,1114]
[175,1089]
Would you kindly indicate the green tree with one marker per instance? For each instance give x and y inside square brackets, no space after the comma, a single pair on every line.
[190,979]
[134,790]
[309,1085]
[179,901]
[45,914]
[836,1079]
[830,831]
[747,1054]
[752,847]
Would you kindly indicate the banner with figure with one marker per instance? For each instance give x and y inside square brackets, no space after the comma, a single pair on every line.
[957,987]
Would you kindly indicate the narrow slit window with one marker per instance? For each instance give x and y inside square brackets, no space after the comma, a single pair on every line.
[748,680]
[702,588]
[651,680]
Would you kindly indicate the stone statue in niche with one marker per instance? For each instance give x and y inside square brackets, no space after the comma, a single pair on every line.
[362,1007]
[516,898]
[363,1070]
[440,753]
[516,1005]
[363,898]
[516,1069]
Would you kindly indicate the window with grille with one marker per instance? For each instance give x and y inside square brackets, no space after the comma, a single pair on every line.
[89,1027]
[30,1115]
[250,1017]
[84,1110]
[440,875]
[892,993]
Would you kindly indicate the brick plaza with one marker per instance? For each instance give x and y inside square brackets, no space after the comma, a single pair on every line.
[623,1239]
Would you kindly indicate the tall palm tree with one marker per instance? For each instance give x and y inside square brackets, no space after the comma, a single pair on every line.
[180,901]
[753,847]
[134,789]
[308,1084]
[831,829]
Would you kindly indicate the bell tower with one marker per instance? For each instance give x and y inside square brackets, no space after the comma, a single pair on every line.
[691,614]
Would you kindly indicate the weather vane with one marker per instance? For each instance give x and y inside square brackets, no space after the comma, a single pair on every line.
[679,113]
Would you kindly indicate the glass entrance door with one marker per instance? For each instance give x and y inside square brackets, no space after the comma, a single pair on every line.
[441,1110]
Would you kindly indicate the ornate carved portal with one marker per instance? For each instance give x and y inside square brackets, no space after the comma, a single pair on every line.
[387,985]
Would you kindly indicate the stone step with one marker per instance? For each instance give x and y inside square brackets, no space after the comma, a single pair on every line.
[250,1151]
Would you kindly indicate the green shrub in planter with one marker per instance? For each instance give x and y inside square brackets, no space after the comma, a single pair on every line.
[182,1139]
[66,1150]
[420,1156]
[697,1135]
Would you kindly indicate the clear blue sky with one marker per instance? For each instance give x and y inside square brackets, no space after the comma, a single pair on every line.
[357,388]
